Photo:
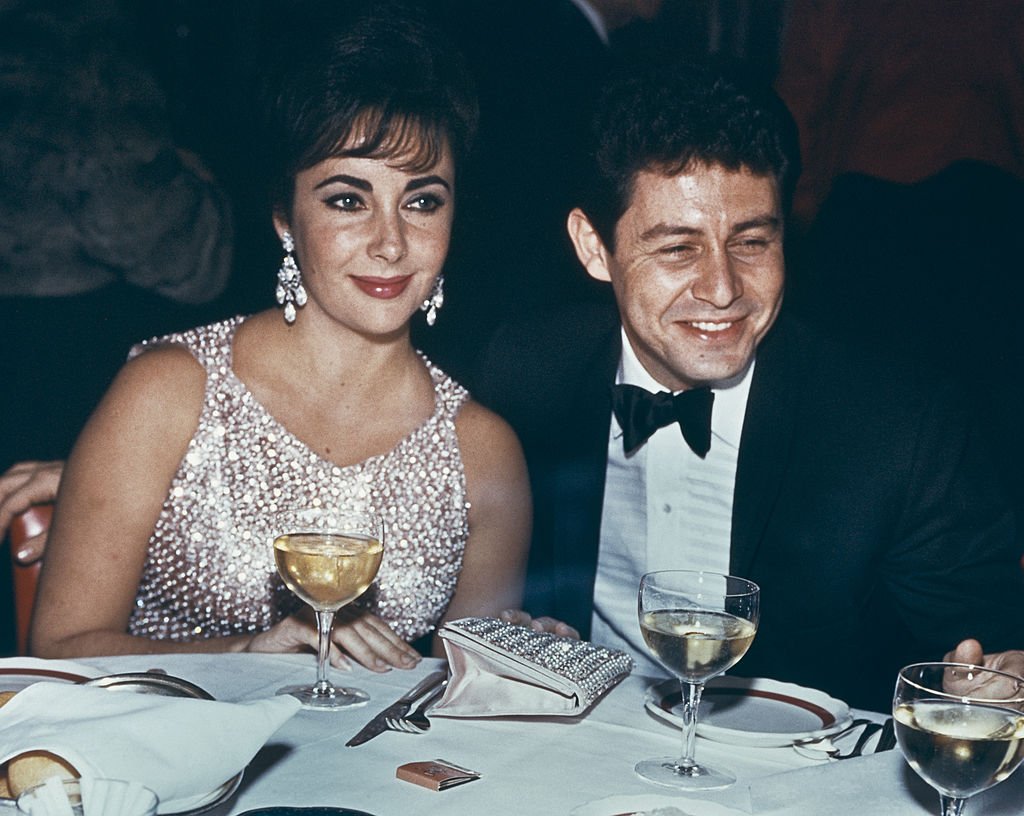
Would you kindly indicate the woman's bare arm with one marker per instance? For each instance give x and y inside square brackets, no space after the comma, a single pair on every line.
[113,487]
[500,517]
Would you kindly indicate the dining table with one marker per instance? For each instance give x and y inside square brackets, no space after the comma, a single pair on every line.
[528,766]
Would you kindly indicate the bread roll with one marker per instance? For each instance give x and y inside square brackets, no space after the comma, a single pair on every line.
[5,791]
[33,768]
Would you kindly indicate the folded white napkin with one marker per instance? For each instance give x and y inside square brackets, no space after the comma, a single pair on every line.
[179,747]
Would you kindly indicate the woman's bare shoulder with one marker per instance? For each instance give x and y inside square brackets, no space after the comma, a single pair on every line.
[164,366]
[479,427]
[491,455]
[163,380]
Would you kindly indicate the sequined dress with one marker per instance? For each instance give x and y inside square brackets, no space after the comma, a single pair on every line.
[210,568]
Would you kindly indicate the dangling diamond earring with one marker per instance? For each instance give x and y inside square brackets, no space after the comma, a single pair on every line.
[436,300]
[290,291]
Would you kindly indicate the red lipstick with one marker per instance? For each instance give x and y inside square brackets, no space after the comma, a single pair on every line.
[382,288]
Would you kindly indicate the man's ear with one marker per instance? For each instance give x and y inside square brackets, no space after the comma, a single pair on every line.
[590,249]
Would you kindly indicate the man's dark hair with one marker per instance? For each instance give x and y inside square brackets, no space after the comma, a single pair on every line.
[674,118]
[380,71]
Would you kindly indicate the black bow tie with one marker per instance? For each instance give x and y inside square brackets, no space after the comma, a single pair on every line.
[640,413]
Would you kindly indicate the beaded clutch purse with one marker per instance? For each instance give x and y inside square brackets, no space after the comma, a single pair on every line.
[500,670]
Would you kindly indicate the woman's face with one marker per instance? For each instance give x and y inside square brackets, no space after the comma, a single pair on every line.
[370,238]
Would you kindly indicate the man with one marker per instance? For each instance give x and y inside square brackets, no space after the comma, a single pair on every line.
[853,491]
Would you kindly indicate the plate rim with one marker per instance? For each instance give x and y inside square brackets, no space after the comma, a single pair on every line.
[299,810]
[834,713]
[43,674]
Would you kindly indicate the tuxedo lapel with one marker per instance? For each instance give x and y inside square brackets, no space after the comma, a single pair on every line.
[769,428]
[582,477]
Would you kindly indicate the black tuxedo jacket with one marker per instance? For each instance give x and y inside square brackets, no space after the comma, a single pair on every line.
[865,506]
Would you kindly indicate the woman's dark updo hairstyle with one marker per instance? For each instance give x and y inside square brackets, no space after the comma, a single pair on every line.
[672,118]
[378,72]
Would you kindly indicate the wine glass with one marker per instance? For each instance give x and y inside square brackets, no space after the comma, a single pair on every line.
[328,558]
[698,625]
[961,727]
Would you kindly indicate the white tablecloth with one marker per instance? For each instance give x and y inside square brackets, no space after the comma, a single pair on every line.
[529,767]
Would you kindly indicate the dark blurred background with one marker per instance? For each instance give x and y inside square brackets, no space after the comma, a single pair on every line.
[904,226]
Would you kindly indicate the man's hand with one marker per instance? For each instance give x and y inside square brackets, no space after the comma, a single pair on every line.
[23,485]
[550,625]
[1011,662]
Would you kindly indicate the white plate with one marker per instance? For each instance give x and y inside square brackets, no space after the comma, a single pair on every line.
[758,712]
[628,805]
[16,676]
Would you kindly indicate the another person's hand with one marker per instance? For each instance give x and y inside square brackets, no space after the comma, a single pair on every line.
[1011,662]
[23,485]
[542,624]
[358,635]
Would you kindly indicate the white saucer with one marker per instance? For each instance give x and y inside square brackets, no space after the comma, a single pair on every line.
[757,711]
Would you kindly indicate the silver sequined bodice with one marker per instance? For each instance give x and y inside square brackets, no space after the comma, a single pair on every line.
[210,569]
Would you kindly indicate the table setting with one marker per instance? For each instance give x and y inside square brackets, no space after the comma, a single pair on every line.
[519,722]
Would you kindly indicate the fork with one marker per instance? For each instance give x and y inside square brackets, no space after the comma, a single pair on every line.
[823,746]
[416,722]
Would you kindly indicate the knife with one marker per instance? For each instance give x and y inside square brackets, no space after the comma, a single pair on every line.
[400,707]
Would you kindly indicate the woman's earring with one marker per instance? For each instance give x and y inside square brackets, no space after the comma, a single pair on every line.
[290,291]
[436,300]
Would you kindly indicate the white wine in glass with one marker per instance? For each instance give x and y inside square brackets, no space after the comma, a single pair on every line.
[328,559]
[698,625]
[960,727]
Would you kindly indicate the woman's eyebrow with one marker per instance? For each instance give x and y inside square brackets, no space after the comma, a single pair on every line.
[344,178]
[426,181]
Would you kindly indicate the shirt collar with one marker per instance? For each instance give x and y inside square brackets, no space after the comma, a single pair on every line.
[730,400]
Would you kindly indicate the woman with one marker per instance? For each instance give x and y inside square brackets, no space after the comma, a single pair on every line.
[160,541]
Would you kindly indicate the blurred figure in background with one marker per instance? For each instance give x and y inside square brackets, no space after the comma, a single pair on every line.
[911,119]
[108,231]
[900,89]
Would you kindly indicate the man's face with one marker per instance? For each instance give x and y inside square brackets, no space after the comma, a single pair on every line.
[697,271]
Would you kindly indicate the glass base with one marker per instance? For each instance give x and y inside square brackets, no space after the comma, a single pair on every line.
[667,772]
[333,699]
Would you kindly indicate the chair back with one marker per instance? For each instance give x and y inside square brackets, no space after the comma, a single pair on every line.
[24,526]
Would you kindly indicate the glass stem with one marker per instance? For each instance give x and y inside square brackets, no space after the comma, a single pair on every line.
[324,624]
[951,805]
[691,702]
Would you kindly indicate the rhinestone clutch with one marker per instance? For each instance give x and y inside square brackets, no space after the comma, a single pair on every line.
[500,670]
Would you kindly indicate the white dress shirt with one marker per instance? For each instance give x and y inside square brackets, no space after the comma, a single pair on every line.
[664,508]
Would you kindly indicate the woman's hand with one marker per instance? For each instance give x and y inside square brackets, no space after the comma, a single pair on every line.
[23,485]
[371,642]
[358,635]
